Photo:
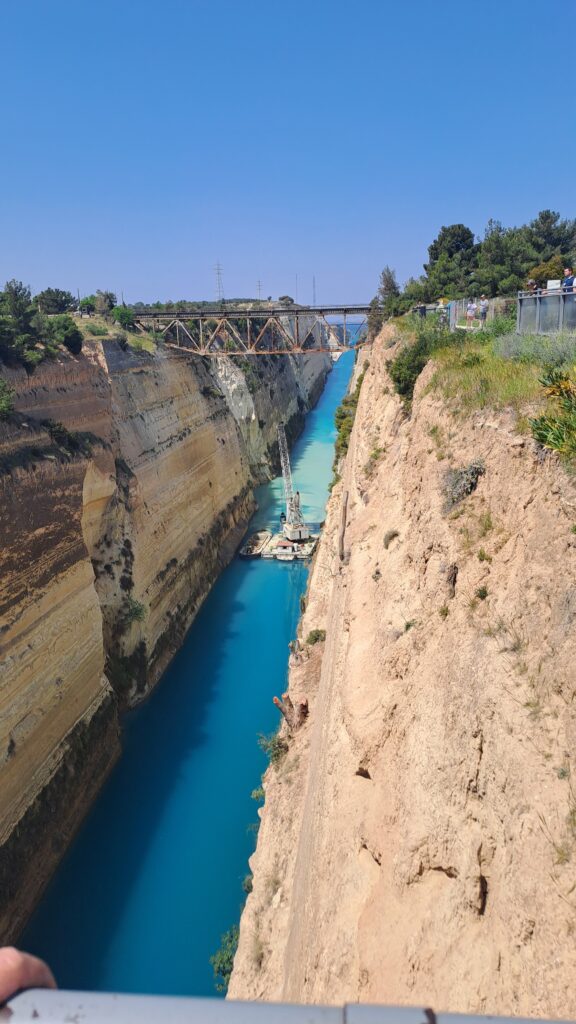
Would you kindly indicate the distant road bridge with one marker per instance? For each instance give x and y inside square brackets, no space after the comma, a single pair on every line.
[256,330]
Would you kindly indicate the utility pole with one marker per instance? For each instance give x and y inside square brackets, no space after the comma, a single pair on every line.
[259,290]
[219,285]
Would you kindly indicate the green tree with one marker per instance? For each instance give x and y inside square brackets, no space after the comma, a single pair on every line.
[375,318]
[64,331]
[124,316]
[17,302]
[551,236]
[504,259]
[105,302]
[88,304]
[550,270]
[54,300]
[454,240]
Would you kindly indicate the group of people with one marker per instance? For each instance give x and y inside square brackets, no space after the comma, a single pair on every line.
[477,311]
[566,286]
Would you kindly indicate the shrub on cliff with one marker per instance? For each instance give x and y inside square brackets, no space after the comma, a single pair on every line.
[6,399]
[316,636]
[64,331]
[459,483]
[344,418]
[407,366]
[557,430]
[274,746]
[223,960]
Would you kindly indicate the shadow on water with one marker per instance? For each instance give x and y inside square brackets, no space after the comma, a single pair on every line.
[154,876]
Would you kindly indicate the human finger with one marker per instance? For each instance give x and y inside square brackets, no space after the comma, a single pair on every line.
[21,970]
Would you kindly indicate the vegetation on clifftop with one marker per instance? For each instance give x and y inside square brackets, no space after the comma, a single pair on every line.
[496,369]
[460,265]
[27,334]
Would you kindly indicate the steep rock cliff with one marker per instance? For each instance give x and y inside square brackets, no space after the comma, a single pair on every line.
[418,841]
[58,716]
[125,487]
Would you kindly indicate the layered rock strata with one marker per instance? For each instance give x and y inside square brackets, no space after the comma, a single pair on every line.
[125,487]
[418,840]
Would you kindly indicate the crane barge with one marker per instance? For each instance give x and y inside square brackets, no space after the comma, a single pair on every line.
[296,540]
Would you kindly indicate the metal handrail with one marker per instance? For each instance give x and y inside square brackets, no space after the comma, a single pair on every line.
[106,1008]
[554,302]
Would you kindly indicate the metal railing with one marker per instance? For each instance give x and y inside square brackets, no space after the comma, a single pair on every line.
[546,312]
[105,1008]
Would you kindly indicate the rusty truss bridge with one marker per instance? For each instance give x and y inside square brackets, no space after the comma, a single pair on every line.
[257,330]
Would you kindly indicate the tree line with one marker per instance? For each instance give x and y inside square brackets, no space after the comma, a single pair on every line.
[502,263]
[33,328]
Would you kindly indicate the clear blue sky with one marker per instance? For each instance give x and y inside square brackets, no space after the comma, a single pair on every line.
[143,140]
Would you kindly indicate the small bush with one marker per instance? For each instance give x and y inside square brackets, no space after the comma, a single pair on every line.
[483,556]
[134,611]
[459,483]
[481,593]
[273,746]
[407,366]
[223,960]
[545,350]
[444,611]
[316,636]
[6,399]
[257,794]
[95,330]
[557,431]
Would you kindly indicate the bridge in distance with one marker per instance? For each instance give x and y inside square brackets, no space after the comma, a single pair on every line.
[265,329]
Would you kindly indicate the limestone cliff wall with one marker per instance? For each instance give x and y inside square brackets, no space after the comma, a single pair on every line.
[113,526]
[418,840]
[54,696]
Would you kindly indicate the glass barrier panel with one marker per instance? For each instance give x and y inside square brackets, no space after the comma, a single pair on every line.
[527,314]
[569,313]
[549,312]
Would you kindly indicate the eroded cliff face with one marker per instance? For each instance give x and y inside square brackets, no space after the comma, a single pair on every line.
[58,717]
[418,841]
[114,525]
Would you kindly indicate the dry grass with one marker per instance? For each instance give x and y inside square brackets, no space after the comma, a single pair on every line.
[136,340]
[473,377]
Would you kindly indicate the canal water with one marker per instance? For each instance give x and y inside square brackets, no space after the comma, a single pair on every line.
[155,875]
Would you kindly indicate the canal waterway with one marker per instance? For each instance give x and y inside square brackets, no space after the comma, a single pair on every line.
[155,875]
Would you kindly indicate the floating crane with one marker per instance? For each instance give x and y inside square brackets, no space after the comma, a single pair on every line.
[294,527]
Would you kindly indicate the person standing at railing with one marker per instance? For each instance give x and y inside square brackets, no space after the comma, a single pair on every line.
[568,282]
[484,304]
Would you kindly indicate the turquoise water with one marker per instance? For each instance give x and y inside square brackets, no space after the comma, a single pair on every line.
[154,877]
